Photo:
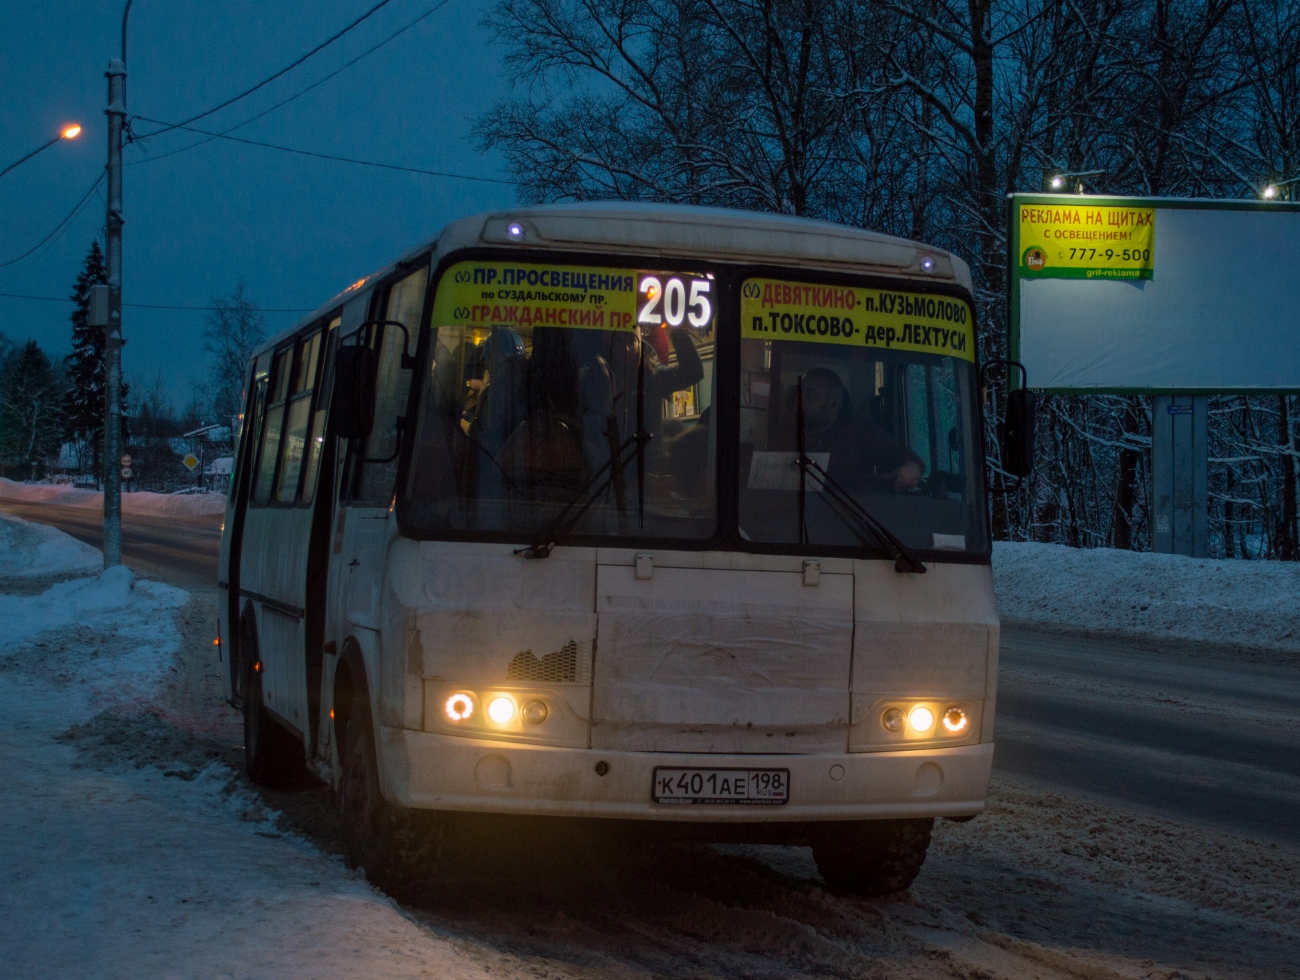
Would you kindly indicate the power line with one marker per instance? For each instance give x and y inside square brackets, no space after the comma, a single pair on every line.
[156,306]
[60,226]
[328,156]
[301,92]
[288,68]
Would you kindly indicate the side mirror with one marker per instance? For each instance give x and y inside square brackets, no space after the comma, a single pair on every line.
[1018,432]
[352,405]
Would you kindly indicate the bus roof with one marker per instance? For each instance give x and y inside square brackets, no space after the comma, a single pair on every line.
[720,234]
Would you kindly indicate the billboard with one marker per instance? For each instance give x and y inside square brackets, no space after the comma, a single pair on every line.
[1154,295]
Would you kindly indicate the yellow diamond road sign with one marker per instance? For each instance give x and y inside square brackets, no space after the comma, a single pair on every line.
[191,461]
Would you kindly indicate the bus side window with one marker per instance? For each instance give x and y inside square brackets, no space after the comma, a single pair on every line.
[405,304]
[270,449]
[316,436]
[294,442]
[250,425]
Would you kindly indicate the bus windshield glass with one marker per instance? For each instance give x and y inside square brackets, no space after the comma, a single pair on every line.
[568,395]
[877,386]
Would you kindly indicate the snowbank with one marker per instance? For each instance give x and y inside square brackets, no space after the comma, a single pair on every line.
[1149,597]
[30,550]
[140,503]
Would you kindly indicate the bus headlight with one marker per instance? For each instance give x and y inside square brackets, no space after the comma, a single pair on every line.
[535,712]
[955,721]
[501,709]
[920,718]
[893,719]
[459,707]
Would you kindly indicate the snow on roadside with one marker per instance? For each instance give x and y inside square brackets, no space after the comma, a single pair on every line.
[1149,597]
[109,634]
[30,550]
[140,503]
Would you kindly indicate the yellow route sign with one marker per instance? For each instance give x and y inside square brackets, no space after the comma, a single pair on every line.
[531,294]
[1068,240]
[774,309]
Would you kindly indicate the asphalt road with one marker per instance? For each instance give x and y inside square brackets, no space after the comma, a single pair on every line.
[1190,737]
[182,551]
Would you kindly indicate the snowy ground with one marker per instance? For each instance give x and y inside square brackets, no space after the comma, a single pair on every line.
[139,503]
[1250,606]
[131,847]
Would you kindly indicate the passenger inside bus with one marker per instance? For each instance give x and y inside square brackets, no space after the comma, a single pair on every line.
[514,419]
[862,452]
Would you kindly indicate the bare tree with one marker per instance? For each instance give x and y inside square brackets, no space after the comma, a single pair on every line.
[233,331]
[917,118]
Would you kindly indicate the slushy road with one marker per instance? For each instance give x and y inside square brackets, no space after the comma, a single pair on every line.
[179,550]
[1189,737]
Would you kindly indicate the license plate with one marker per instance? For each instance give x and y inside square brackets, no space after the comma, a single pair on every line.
[752,787]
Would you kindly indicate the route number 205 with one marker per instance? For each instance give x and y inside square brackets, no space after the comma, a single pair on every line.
[674,302]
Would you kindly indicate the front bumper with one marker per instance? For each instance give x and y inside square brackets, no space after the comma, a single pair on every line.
[425,770]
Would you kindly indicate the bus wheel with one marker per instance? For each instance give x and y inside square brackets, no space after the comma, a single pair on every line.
[871,857]
[399,849]
[273,757]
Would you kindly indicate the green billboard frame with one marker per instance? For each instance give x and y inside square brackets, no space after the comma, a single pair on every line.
[1014,278]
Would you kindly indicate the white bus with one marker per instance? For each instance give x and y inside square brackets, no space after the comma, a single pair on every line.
[627,513]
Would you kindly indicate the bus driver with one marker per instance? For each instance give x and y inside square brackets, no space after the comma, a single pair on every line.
[860,449]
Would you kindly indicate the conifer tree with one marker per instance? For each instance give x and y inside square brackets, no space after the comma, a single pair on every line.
[84,409]
[31,409]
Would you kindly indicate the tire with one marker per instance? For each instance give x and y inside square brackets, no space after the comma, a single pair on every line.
[872,857]
[399,849]
[273,756]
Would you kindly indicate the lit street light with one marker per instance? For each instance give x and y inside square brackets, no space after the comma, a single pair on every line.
[1273,190]
[68,132]
[1058,181]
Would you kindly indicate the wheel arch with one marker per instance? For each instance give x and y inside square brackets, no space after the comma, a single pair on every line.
[351,690]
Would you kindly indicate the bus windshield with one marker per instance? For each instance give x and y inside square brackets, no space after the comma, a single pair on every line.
[574,394]
[578,401]
[877,388]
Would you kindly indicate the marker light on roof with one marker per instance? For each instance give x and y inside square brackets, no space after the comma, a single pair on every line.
[515,230]
[927,263]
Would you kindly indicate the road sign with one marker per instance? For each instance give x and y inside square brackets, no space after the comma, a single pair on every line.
[125,461]
[126,472]
[191,461]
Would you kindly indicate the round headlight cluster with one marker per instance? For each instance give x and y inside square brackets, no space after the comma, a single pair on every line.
[920,719]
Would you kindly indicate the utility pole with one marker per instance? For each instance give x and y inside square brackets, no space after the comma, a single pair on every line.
[116,113]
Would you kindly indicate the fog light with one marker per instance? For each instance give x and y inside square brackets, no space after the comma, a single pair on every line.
[534,712]
[501,710]
[892,719]
[955,720]
[921,718]
[459,707]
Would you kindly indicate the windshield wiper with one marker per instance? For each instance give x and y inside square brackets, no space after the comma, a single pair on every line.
[632,448]
[904,560]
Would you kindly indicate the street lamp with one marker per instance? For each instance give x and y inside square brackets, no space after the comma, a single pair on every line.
[1058,181]
[69,132]
[1273,189]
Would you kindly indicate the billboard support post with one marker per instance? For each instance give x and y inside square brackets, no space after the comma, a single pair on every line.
[1180,475]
